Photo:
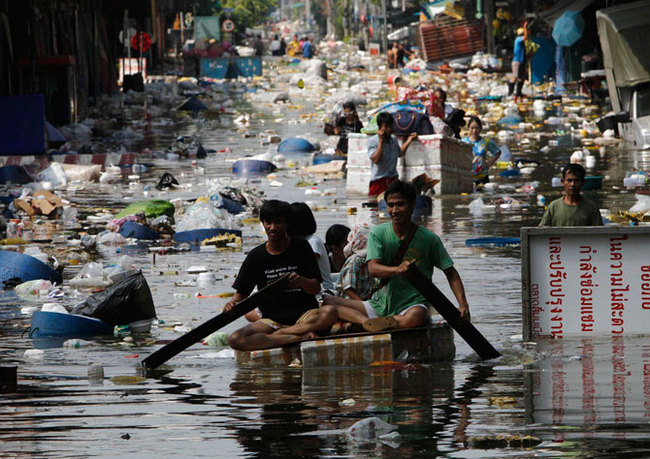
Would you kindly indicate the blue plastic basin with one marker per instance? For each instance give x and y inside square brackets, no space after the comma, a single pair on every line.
[45,323]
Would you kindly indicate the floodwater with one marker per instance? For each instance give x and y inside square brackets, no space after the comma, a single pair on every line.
[565,398]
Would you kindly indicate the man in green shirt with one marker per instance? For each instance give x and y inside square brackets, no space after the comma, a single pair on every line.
[572,209]
[397,304]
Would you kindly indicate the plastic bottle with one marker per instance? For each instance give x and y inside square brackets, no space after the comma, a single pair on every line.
[76,343]
[557,181]
[138,168]
[541,200]
[95,374]
[69,216]
[12,230]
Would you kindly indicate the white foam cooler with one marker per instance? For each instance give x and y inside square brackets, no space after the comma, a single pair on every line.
[440,157]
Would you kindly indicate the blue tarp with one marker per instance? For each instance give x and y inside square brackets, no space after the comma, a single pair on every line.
[543,61]
[22,121]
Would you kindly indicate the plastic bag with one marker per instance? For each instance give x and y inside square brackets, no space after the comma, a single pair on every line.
[199,216]
[122,303]
[642,204]
[32,289]
[110,238]
[478,207]
[91,270]
[54,174]
[216,339]
[369,429]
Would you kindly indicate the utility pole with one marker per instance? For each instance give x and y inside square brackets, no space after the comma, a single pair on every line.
[489,17]
[384,38]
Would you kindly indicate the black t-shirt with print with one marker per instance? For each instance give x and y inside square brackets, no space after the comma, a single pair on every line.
[260,268]
[346,128]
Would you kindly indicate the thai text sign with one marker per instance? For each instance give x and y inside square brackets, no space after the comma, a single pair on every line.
[585,281]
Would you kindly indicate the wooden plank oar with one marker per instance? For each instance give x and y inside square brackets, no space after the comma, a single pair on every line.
[451,314]
[193,336]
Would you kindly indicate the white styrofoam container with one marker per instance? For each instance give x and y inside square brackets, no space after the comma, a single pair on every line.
[442,158]
[358,180]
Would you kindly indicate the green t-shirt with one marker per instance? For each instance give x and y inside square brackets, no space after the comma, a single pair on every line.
[586,213]
[425,248]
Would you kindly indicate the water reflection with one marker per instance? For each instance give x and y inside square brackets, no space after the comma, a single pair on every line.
[302,411]
[591,389]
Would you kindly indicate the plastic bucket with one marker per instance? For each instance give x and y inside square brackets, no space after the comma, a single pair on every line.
[141,326]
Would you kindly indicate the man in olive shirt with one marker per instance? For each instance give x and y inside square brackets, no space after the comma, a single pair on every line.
[572,209]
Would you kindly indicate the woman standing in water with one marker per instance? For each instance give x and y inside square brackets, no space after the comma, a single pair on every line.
[482,148]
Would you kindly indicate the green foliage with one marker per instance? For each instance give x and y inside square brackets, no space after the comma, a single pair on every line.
[249,13]
[206,7]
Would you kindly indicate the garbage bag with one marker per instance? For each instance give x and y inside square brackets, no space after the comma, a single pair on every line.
[120,304]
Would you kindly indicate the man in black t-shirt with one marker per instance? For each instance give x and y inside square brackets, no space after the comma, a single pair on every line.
[293,314]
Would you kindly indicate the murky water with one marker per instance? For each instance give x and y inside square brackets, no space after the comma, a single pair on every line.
[585,398]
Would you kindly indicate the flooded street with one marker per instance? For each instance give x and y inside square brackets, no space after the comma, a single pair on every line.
[564,398]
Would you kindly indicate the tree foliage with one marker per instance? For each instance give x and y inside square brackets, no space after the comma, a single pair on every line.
[249,13]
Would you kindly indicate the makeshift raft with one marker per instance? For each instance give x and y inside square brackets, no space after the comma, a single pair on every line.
[422,345]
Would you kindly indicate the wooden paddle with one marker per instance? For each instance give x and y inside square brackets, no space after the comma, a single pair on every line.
[451,314]
[183,342]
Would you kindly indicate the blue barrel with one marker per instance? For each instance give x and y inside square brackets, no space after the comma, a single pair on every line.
[15,265]
[138,231]
[252,167]
[200,235]
[45,323]
[322,159]
[295,145]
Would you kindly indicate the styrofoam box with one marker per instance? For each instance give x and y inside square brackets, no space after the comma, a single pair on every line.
[440,157]
[426,150]
[358,180]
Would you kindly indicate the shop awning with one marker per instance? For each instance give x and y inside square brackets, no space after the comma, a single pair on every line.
[623,34]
